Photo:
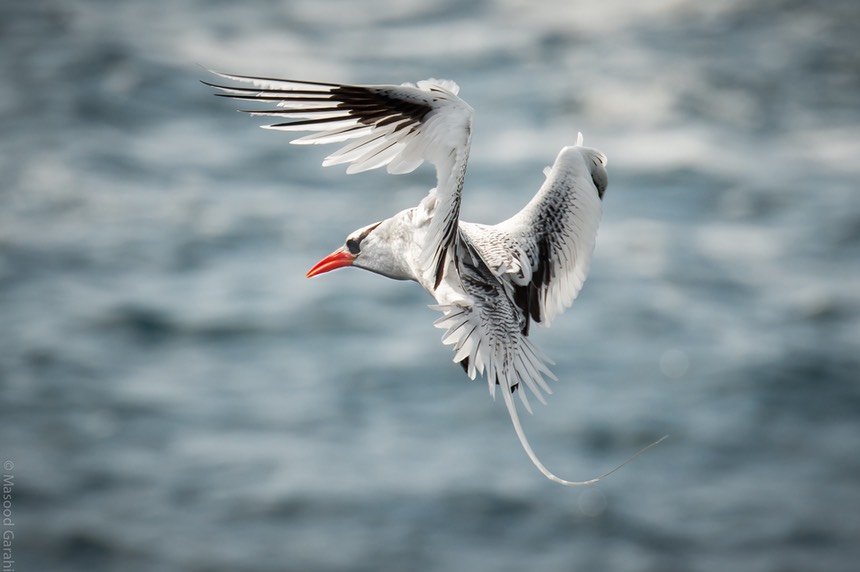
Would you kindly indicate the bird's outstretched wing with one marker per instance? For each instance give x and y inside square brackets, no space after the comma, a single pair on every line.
[393,126]
[544,251]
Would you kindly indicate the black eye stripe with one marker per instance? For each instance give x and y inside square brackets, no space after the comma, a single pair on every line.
[353,246]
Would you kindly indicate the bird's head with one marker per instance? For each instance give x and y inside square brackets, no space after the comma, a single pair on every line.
[373,247]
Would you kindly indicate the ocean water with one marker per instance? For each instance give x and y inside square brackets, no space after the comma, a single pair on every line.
[175,395]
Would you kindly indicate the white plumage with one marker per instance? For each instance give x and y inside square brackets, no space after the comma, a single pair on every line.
[489,282]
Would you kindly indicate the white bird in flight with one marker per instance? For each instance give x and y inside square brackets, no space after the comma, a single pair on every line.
[489,281]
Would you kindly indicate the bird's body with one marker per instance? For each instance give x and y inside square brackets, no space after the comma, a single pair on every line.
[490,282]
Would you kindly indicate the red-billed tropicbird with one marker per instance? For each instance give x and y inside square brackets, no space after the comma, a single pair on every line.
[489,281]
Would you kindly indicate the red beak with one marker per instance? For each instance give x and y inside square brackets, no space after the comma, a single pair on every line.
[337,259]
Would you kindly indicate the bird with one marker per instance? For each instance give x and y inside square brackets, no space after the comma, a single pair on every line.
[489,282]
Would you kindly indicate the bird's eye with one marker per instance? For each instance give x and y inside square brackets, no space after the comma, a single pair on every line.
[352,246]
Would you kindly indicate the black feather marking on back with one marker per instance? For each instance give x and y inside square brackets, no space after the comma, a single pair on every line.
[527,297]
[541,275]
[522,298]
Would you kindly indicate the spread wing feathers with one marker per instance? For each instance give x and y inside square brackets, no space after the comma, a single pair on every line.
[548,245]
[487,334]
[392,126]
[486,330]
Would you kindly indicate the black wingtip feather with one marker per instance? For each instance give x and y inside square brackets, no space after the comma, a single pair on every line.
[235,77]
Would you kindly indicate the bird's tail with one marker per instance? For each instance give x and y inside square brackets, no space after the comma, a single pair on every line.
[515,419]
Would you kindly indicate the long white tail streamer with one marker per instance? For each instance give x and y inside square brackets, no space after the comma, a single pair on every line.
[515,419]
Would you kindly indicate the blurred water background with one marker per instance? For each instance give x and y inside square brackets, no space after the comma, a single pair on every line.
[175,395]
